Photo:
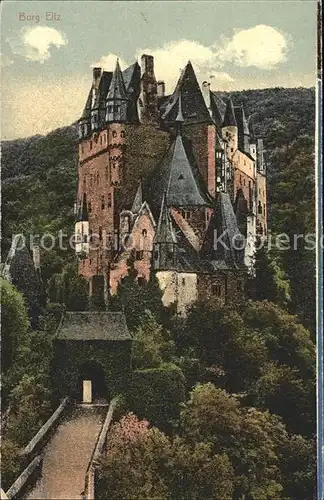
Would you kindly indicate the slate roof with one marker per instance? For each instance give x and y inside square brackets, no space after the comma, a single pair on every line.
[90,325]
[241,120]
[179,176]
[104,85]
[117,90]
[132,76]
[229,117]
[87,109]
[194,108]
[223,222]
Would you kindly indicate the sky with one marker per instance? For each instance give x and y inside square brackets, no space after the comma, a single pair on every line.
[48,50]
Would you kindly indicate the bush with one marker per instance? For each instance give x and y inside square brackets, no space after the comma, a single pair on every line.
[156,394]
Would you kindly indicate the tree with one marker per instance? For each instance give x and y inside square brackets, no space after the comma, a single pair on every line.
[143,463]
[14,322]
[150,347]
[70,289]
[245,435]
[135,297]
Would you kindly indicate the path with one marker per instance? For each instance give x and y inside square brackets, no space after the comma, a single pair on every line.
[67,455]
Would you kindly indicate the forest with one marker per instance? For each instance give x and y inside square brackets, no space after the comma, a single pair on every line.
[243,424]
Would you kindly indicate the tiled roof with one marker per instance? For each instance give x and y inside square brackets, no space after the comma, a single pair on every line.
[91,325]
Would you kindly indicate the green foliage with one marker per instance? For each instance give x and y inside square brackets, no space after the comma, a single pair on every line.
[259,448]
[14,323]
[150,345]
[156,394]
[143,463]
[70,289]
[10,463]
[136,297]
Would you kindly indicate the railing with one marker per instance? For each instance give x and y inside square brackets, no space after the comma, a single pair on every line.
[23,480]
[31,456]
[98,451]
[44,432]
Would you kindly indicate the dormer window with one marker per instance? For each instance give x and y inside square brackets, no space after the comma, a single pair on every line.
[180,178]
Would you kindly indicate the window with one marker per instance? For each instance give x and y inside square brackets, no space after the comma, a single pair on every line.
[239,286]
[90,144]
[217,289]
[84,184]
[101,140]
[100,233]
[106,173]
[232,150]
[90,238]
[122,133]
[114,134]
[144,233]
[264,208]
[139,254]
[109,200]
[89,206]
[180,178]
[102,202]
[183,281]
[156,255]
[259,208]
[110,109]
[116,108]
[227,134]
[185,214]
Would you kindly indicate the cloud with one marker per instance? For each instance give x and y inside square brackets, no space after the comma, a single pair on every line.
[261,46]
[5,60]
[108,62]
[171,58]
[35,43]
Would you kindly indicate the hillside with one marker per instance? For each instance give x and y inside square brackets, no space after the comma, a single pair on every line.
[39,181]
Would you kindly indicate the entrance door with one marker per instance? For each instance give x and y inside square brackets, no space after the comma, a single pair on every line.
[87,391]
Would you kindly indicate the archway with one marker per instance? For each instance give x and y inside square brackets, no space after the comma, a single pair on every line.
[92,386]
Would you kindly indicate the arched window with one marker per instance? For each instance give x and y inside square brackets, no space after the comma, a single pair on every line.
[259,208]
[114,133]
[144,233]
[122,133]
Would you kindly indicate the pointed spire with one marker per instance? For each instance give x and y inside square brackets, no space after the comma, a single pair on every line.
[179,118]
[229,118]
[117,88]
[138,200]
[165,232]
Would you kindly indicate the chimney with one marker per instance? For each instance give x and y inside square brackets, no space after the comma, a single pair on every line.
[205,89]
[36,257]
[96,77]
[160,88]
[147,64]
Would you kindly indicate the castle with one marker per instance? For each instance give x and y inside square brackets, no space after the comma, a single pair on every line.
[160,178]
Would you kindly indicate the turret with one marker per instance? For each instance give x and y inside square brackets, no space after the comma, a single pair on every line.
[229,130]
[117,99]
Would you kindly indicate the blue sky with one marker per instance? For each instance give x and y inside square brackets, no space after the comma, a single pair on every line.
[48,49]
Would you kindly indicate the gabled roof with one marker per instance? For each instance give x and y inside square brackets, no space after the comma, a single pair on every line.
[117,90]
[89,325]
[223,236]
[194,108]
[229,117]
[179,177]
[165,232]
